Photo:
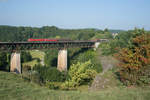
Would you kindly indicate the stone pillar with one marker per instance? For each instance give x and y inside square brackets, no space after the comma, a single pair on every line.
[15,64]
[62,60]
[96,45]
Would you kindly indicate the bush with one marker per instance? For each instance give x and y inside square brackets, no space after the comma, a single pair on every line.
[80,73]
[53,85]
[3,61]
[86,56]
[26,68]
[35,77]
[135,61]
[32,76]
[50,58]
[106,49]
[50,74]
[26,56]
[83,56]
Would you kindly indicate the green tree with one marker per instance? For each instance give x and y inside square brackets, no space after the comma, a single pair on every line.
[49,74]
[50,58]
[3,60]
[85,55]
[80,73]
[135,61]
[25,56]
[106,30]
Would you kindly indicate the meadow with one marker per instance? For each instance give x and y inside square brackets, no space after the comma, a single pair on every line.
[14,87]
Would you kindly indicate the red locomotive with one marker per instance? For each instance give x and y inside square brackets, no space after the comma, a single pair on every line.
[61,40]
[41,40]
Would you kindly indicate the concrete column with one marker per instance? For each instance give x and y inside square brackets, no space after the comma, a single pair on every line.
[96,45]
[15,64]
[62,60]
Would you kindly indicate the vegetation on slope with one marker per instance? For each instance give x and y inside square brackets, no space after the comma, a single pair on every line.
[135,61]
[135,57]
[132,49]
[13,87]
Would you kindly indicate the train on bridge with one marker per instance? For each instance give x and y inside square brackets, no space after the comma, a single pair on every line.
[41,40]
[57,40]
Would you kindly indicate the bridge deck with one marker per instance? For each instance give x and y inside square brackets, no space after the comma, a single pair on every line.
[45,45]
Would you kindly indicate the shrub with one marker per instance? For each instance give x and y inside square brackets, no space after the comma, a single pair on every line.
[53,85]
[135,61]
[26,68]
[26,56]
[50,58]
[80,74]
[106,49]
[50,74]
[32,76]
[86,56]
[3,61]
[35,77]
[38,60]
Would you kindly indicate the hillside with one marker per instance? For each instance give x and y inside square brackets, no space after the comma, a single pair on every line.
[13,87]
[13,33]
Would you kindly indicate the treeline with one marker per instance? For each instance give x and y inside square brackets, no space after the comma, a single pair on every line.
[12,33]
[122,40]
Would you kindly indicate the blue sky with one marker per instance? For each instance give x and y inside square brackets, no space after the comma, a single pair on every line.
[112,14]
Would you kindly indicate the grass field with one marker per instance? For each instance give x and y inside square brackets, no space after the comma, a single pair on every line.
[13,87]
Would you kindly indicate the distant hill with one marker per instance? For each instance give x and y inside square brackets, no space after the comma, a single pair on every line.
[13,33]
[115,31]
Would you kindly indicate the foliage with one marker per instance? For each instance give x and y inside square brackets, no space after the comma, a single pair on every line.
[106,49]
[50,58]
[26,68]
[75,55]
[25,56]
[135,61]
[86,55]
[3,60]
[50,74]
[20,89]
[11,33]
[122,40]
[53,85]
[34,77]
[106,34]
[83,56]
[80,74]
[37,58]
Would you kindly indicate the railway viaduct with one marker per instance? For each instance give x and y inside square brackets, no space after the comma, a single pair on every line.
[16,47]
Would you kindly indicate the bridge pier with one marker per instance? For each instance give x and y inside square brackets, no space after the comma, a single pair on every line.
[96,45]
[15,63]
[62,60]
